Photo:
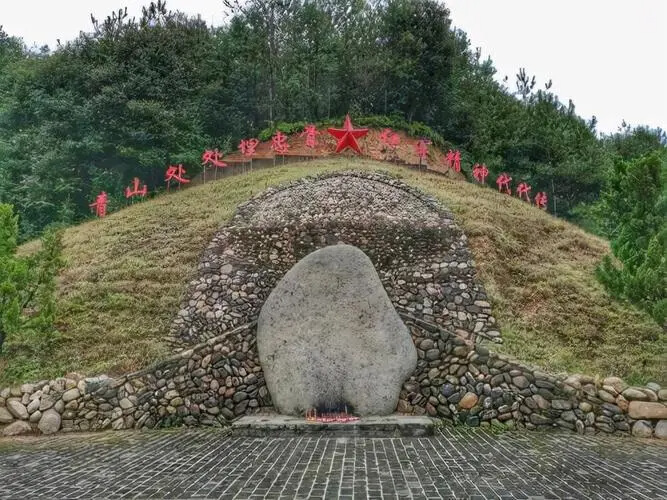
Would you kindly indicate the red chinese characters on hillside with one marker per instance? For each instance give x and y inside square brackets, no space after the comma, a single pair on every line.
[480,173]
[523,191]
[541,200]
[212,157]
[453,160]
[175,173]
[310,131]
[421,148]
[248,147]
[279,143]
[503,182]
[135,189]
[100,204]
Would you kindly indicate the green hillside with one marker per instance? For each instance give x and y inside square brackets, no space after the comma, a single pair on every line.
[125,275]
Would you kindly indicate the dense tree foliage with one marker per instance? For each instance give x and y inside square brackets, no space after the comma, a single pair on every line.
[635,210]
[133,95]
[27,287]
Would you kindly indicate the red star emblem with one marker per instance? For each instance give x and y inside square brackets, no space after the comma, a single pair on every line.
[347,136]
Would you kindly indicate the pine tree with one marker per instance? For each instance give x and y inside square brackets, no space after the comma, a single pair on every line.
[635,204]
[27,284]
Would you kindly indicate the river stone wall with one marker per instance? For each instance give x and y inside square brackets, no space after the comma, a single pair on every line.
[419,252]
[424,264]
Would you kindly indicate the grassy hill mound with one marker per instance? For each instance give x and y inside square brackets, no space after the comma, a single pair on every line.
[126,273]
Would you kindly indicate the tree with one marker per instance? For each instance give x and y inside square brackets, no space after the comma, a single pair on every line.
[27,285]
[635,202]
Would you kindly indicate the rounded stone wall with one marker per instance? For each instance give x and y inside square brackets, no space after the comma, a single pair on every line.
[419,252]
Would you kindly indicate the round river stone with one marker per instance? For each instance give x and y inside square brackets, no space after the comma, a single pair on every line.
[329,336]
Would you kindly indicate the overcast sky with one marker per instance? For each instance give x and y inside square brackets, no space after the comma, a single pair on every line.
[608,56]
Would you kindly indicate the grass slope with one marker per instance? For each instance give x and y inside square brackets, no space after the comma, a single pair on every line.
[126,273]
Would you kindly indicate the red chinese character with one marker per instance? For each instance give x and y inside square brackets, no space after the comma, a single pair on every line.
[248,146]
[503,182]
[480,172]
[136,190]
[394,140]
[279,143]
[541,200]
[310,131]
[389,138]
[522,191]
[100,204]
[457,161]
[449,158]
[422,149]
[212,158]
[175,173]
[453,160]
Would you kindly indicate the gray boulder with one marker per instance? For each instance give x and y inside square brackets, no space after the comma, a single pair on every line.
[17,409]
[17,428]
[50,422]
[328,335]
[5,416]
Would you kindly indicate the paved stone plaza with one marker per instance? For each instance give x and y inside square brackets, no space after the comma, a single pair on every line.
[455,463]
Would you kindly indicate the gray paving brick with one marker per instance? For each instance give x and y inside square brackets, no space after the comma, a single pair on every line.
[455,463]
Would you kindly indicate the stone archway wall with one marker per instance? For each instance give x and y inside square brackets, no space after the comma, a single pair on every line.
[424,264]
[419,252]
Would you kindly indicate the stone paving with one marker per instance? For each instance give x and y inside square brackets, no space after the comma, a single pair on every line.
[455,463]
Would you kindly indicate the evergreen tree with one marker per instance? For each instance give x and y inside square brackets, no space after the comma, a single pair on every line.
[27,285]
[635,203]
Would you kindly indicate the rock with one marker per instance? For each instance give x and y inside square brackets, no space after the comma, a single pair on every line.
[34,418]
[561,404]
[468,401]
[616,383]
[5,416]
[585,406]
[631,393]
[125,404]
[622,403]
[647,410]
[71,395]
[661,429]
[47,401]
[607,396]
[17,409]
[328,335]
[542,403]
[662,394]
[521,382]
[538,419]
[17,428]
[33,406]
[653,386]
[642,428]
[50,422]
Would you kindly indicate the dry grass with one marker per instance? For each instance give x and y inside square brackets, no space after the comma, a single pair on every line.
[126,274]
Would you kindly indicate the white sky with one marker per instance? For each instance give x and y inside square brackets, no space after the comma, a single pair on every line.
[608,56]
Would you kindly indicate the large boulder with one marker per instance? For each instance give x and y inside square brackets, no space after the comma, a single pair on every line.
[50,422]
[329,336]
[17,409]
